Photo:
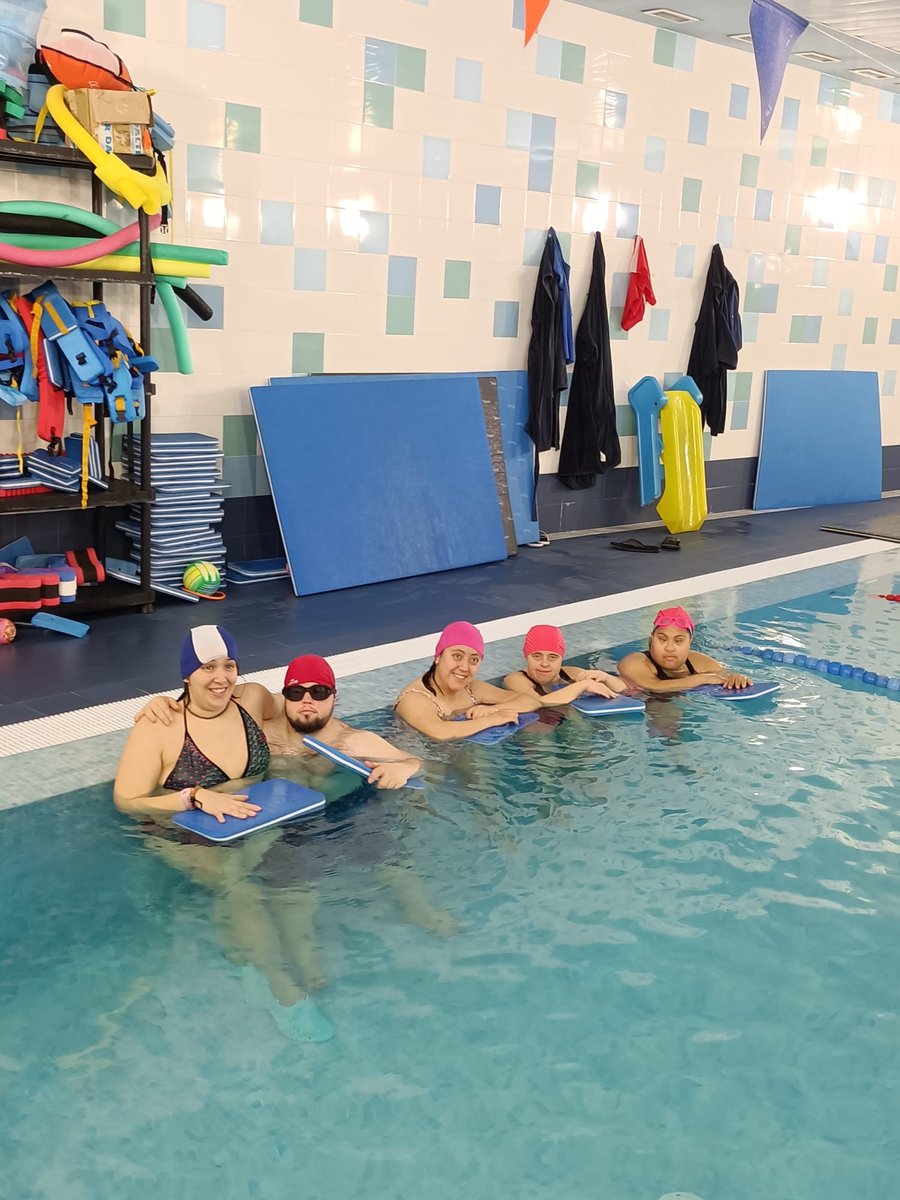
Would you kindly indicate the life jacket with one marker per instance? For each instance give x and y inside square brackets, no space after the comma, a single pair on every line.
[78,60]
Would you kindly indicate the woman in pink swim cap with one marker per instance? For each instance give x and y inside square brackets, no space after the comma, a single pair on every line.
[670,665]
[450,689]
[554,681]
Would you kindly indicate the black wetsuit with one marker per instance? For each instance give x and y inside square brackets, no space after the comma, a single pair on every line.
[661,673]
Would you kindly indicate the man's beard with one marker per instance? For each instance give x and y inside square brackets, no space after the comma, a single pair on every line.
[309,723]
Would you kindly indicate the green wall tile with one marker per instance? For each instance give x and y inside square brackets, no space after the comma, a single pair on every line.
[317,12]
[819,154]
[890,278]
[411,68]
[164,349]
[626,425]
[664,48]
[741,385]
[125,16]
[238,435]
[401,312]
[870,331]
[749,170]
[691,190]
[587,179]
[616,332]
[457,279]
[242,127]
[378,104]
[792,239]
[572,65]
[308,353]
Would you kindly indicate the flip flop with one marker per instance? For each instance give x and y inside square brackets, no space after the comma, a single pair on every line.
[635,545]
[670,543]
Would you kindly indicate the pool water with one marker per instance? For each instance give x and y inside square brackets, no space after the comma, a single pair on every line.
[664,965]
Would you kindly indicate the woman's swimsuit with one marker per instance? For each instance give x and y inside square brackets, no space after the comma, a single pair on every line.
[194,769]
[539,687]
[445,716]
[661,673]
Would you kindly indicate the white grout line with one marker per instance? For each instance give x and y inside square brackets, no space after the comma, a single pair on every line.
[107,718]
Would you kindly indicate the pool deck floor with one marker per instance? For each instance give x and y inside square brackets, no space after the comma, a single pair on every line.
[129,653]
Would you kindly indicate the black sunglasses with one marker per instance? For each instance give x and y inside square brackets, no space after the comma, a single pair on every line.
[318,691]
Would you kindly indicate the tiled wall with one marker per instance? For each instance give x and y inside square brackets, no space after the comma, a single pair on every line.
[383,172]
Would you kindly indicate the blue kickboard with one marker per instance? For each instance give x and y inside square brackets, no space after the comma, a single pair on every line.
[756,690]
[597,706]
[387,454]
[9,554]
[497,733]
[518,448]
[352,764]
[279,801]
[821,439]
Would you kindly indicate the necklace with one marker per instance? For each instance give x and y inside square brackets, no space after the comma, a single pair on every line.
[200,716]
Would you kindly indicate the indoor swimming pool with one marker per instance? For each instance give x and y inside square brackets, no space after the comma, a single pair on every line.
[631,959]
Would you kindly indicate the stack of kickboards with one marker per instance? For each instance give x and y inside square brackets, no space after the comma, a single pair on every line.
[63,472]
[186,516]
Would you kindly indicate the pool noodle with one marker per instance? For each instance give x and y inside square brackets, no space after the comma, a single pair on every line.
[76,255]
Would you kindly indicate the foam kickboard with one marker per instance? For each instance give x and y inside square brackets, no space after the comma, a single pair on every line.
[497,733]
[340,759]
[399,447]
[821,439]
[756,690]
[597,706]
[279,801]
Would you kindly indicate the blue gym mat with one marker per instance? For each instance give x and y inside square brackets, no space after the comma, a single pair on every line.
[378,478]
[518,450]
[821,439]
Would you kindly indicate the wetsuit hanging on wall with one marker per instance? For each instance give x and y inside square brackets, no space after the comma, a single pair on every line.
[590,442]
[717,340]
[550,349]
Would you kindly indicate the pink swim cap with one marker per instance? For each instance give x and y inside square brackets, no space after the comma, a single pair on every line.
[460,633]
[673,616]
[544,637]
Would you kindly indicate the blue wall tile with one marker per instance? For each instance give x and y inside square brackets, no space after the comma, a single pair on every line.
[654,154]
[540,158]
[820,272]
[487,204]
[467,80]
[684,52]
[506,318]
[214,295]
[889,384]
[684,262]
[894,339]
[750,327]
[618,289]
[659,325]
[436,157]
[698,127]
[838,358]
[401,275]
[381,61]
[615,109]
[518,14]
[851,249]
[756,268]
[762,209]
[880,250]
[518,129]
[205,170]
[205,25]
[761,298]
[725,232]
[845,302]
[737,105]
[276,222]
[533,250]
[239,472]
[375,232]
[787,145]
[790,113]
[628,218]
[309,270]
[549,57]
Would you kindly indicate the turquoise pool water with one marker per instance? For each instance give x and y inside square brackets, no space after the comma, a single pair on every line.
[665,966]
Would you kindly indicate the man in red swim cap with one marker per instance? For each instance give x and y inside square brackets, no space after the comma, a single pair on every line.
[310,693]
[670,664]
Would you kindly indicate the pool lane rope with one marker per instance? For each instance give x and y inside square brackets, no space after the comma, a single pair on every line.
[824,666]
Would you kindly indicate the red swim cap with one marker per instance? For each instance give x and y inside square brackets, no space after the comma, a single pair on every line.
[309,668]
[544,637]
[678,617]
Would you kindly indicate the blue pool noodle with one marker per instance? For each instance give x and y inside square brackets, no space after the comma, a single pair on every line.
[824,666]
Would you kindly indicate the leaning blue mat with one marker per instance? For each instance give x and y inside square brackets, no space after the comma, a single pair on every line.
[353,764]
[279,801]
[821,439]
[376,479]
[518,448]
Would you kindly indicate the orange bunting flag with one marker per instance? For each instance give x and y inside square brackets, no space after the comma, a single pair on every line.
[534,11]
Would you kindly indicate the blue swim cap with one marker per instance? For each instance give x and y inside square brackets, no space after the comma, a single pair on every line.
[203,644]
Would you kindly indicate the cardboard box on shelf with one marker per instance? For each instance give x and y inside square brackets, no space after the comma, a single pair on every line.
[119,121]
